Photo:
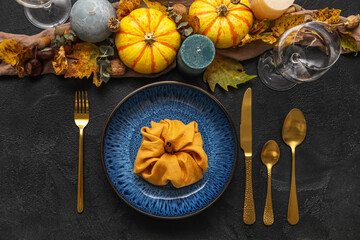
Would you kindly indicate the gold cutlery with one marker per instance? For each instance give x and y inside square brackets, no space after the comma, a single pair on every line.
[81,117]
[269,156]
[293,133]
[246,145]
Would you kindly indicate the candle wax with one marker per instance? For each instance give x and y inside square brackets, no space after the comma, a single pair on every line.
[270,9]
[196,53]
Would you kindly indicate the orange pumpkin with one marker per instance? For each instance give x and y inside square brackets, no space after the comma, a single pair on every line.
[223,22]
[147,40]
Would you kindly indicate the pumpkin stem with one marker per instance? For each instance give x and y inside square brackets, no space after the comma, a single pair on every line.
[149,38]
[222,10]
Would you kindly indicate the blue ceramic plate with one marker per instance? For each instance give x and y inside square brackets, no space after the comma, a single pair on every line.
[122,138]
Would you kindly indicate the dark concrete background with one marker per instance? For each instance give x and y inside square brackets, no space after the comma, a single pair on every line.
[39,155]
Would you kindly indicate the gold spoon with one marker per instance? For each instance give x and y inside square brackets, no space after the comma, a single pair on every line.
[269,156]
[293,133]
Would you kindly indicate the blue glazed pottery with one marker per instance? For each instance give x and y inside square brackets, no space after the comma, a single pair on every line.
[122,138]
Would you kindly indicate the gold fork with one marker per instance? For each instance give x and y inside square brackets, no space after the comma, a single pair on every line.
[81,117]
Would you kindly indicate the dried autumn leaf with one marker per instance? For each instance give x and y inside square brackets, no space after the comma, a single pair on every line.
[268,38]
[157,6]
[330,16]
[127,6]
[349,42]
[193,21]
[86,54]
[60,62]
[225,72]
[21,60]
[96,81]
[286,22]
[260,27]
[9,51]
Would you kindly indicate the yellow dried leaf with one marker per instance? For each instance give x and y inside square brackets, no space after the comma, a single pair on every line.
[60,62]
[86,54]
[247,39]
[286,22]
[260,27]
[268,38]
[156,5]
[225,72]
[349,42]
[330,16]
[9,51]
[126,7]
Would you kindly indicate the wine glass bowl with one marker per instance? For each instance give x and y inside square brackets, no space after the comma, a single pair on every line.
[303,53]
[34,3]
[46,13]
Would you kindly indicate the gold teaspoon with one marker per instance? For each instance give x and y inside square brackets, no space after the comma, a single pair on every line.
[269,156]
[293,133]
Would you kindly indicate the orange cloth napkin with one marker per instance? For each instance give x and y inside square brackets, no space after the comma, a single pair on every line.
[171,151]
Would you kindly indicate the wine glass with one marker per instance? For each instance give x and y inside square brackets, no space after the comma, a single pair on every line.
[46,13]
[303,54]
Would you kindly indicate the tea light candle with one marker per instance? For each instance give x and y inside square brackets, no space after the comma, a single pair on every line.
[89,19]
[270,9]
[195,55]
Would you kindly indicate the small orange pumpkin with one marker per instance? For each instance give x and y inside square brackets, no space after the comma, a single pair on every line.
[223,22]
[147,41]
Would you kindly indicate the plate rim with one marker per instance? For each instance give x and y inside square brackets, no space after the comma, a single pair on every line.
[182,84]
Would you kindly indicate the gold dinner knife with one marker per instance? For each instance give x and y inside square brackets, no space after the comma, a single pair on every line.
[246,145]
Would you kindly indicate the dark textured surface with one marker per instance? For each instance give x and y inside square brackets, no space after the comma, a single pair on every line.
[39,147]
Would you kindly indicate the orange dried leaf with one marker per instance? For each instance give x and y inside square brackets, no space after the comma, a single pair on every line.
[330,16]
[156,5]
[21,59]
[97,81]
[9,51]
[86,54]
[286,22]
[60,62]
[126,7]
[226,72]
[193,21]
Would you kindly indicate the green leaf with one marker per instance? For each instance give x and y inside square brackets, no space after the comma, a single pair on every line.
[72,32]
[182,24]
[106,51]
[111,40]
[105,77]
[225,72]
[171,14]
[188,31]
[103,63]
[103,49]
[349,42]
[178,18]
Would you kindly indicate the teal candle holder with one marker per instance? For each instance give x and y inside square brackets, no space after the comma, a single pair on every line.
[195,55]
